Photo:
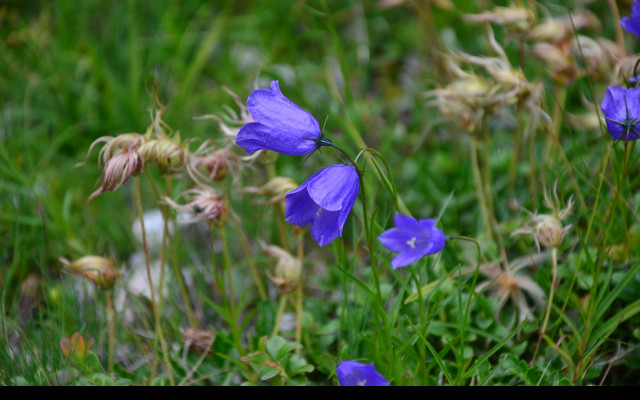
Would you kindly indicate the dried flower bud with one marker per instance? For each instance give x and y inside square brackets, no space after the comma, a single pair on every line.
[287,271]
[275,190]
[204,205]
[562,67]
[198,341]
[114,145]
[518,19]
[100,270]
[547,230]
[122,165]
[165,153]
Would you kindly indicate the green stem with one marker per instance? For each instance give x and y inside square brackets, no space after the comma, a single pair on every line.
[271,173]
[111,327]
[484,210]
[279,313]
[300,291]
[230,293]
[252,266]
[174,262]
[154,305]
[554,261]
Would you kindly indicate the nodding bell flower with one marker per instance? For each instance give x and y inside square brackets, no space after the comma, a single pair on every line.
[204,205]
[632,23]
[274,190]
[287,271]
[119,168]
[621,109]
[100,270]
[324,201]
[547,230]
[280,126]
[353,373]
[165,153]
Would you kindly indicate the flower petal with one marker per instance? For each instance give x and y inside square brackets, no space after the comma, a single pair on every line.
[353,373]
[325,227]
[405,258]
[405,222]
[257,136]
[280,125]
[333,186]
[300,208]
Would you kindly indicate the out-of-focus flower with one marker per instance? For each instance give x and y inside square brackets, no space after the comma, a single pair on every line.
[412,239]
[275,190]
[287,271]
[100,270]
[324,201]
[470,97]
[621,108]
[547,230]
[510,284]
[76,347]
[198,341]
[280,126]
[632,23]
[519,19]
[153,229]
[204,205]
[353,373]
[561,65]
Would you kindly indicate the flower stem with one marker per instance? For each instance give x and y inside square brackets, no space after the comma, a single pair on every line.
[300,291]
[154,305]
[252,266]
[554,261]
[230,293]
[111,327]
[279,313]
[477,178]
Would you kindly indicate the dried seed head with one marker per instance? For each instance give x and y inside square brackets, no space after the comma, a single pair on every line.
[208,163]
[561,65]
[287,271]
[547,230]
[204,205]
[100,270]
[275,190]
[165,153]
[198,341]
[114,145]
[122,165]
[518,19]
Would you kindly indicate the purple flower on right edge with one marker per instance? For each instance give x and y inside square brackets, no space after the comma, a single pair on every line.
[353,373]
[632,23]
[621,108]
[412,239]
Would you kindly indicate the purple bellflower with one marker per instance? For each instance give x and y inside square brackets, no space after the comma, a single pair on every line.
[353,373]
[621,108]
[324,201]
[280,126]
[412,239]
[632,23]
